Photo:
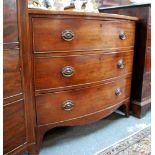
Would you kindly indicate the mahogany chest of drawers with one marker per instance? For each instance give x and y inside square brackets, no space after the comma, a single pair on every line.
[62,69]
[141,85]
[81,65]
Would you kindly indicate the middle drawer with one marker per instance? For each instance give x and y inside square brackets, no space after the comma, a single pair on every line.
[62,71]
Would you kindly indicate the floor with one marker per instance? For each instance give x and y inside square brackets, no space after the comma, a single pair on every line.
[90,139]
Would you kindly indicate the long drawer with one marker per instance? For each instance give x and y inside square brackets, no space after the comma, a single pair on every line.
[65,34]
[62,71]
[66,105]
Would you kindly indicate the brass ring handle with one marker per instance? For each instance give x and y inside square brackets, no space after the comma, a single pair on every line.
[68,71]
[68,105]
[122,35]
[121,63]
[67,35]
[118,92]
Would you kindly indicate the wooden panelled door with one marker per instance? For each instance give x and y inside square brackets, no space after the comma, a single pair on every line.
[16,126]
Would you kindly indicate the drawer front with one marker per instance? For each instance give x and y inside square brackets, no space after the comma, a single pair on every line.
[62,106]
[14,126]
[51,72]
[84,34]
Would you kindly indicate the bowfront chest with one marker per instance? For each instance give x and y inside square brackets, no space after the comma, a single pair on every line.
[62,69]
[82,66]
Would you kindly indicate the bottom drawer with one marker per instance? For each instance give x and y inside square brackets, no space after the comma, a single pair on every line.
[14,126]
[67,105]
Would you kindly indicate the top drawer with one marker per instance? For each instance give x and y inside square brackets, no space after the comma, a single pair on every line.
[73,34]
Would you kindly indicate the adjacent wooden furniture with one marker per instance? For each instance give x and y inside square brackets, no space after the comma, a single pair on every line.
[141,85]
[82,66]
[18,117]
[62,69]
[114,2]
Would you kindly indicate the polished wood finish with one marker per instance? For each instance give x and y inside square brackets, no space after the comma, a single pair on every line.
[94,34]
[99,66]
[30,62]
[26,61]
[14,112]
[141,87]
[87,119]
[38,12]
[10,23]
[147,66]
[14,126]
[145,104]
[18,129]
[146,86]
[12,75]
[98,61]
[87,101]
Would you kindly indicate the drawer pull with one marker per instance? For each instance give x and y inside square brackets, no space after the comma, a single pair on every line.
[121,63]
[68,105]
[118,92]
[68,71]
[67,35]
[122,35]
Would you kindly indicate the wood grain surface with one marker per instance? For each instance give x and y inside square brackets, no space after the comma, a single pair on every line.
[87,100]
[88,68]
[90,34]
[14,126]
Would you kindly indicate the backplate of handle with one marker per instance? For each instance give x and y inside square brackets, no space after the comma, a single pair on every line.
[68,105]
[67,35]
[68,71]
[118,91]
[122,35]
[121,63]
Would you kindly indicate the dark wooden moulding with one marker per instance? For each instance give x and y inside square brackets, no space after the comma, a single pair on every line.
[141,84]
